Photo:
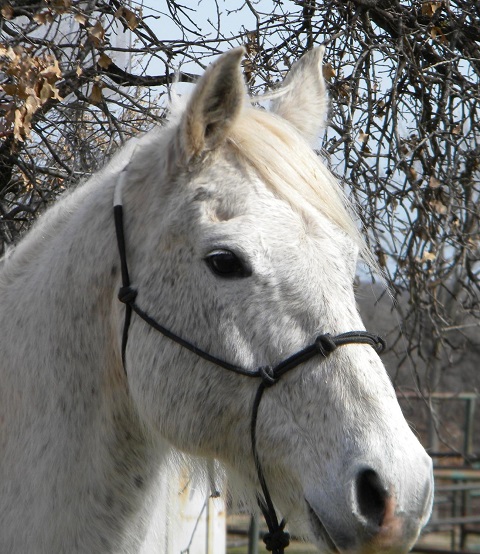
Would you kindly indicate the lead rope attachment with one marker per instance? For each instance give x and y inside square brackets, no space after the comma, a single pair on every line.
[277,539]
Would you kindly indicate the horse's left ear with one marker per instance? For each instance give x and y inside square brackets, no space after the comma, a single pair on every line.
[305,100]
[214,105]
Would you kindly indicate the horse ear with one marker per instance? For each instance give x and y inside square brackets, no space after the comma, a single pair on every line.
[215,104]
[304,102]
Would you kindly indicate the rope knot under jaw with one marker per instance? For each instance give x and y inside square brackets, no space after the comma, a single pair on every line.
[268,376]
[325,344]
[127,295]
[277,540]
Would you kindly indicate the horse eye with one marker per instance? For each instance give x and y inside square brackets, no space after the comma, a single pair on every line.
[225,263]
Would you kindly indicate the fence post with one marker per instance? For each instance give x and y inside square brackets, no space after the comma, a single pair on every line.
[469,417]
[253,535]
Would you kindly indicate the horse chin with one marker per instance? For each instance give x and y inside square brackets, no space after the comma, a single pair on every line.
[322,538]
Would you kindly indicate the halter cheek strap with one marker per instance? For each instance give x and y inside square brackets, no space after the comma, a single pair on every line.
[277,539]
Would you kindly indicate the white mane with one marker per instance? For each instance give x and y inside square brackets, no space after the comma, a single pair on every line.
[300,178]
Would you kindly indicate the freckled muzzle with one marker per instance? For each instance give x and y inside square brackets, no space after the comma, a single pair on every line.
[378,517]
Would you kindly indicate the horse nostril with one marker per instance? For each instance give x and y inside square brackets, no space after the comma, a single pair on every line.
[371,497]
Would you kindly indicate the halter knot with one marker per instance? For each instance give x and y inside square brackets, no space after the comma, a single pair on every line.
[325,345]
[380,344]
[277,540]
[267,373]
[127,294]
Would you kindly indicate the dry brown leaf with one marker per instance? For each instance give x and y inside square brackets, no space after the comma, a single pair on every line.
[132,20]
[434,183]
[328,72]
[251,44]
[429,8]
[32,84]
[96,33]
[382,258]
[48,91]
[80,19]
[60,6]
[363,137]
[104,61]
[428,257]
[7,52]
[45,92]
[31,106]
[248,70]
[437,33]
[32,103]
[129,16]
[96,94]
[380,108]
[438,207]
[40,18]
[345,90]
[53,71]
[7,12]
[10,89]
[43,17]
[18,125]
[23,118]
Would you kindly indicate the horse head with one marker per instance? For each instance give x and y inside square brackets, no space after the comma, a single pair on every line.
[240,242]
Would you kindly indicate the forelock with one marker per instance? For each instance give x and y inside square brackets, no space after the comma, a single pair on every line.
[293,171]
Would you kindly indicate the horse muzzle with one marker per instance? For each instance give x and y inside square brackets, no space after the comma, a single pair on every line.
[375,519]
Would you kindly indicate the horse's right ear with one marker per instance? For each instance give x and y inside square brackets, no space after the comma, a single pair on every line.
[304,102]
[215,104]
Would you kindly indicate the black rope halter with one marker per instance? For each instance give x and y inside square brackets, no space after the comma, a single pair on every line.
[277,539]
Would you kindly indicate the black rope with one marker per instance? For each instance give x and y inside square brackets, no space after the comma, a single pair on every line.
[127,297]
[277,539]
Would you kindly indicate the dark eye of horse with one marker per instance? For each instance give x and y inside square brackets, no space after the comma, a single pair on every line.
[225,263]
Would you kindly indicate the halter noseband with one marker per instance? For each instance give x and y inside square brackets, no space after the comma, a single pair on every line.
[277,539]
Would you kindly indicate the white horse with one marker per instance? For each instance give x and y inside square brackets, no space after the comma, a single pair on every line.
[239,241]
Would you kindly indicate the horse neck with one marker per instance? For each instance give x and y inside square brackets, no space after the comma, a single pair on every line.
[61,318]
